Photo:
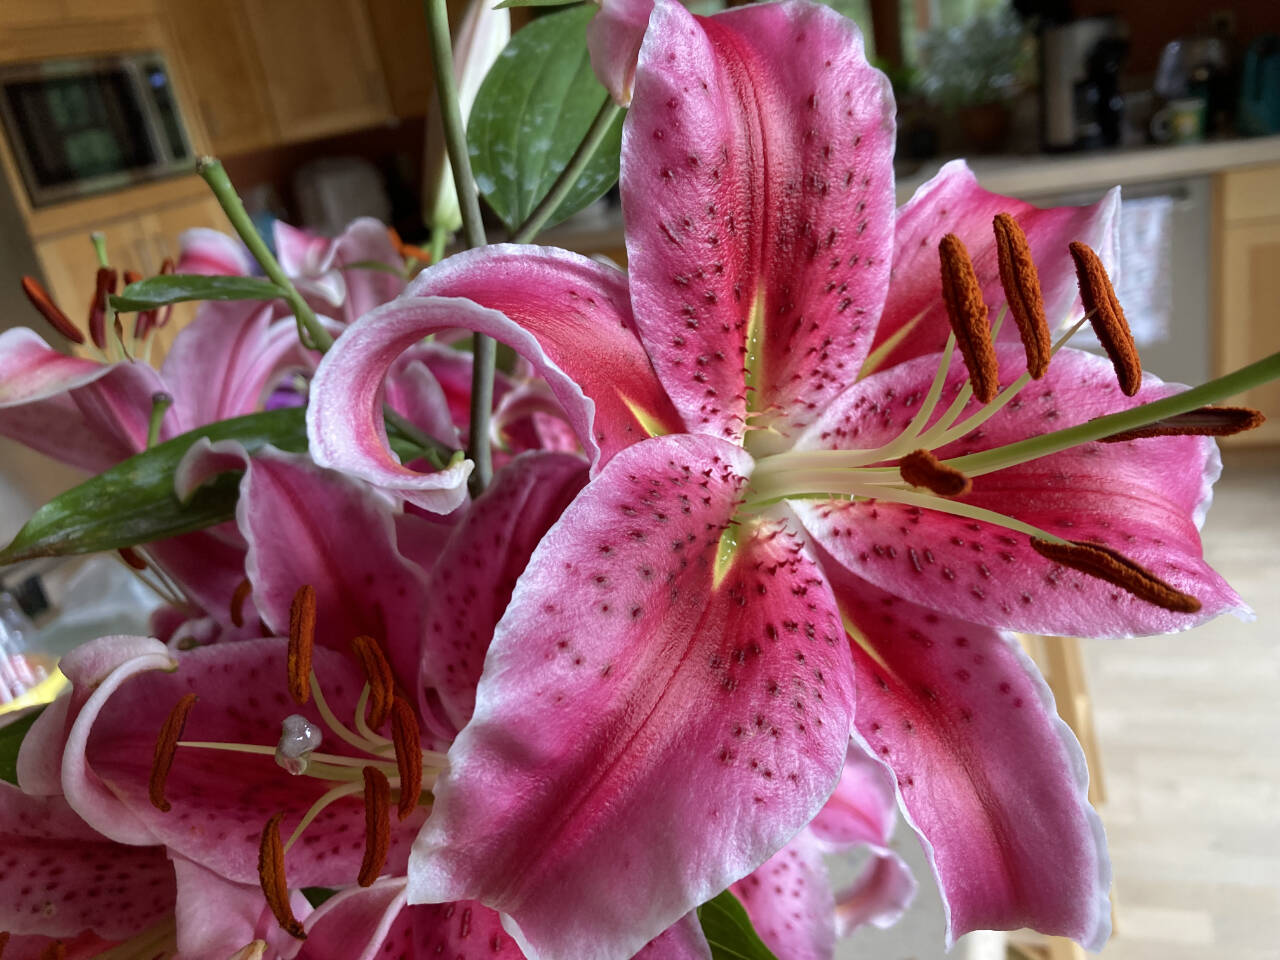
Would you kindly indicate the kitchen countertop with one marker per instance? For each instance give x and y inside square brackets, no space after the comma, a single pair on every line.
[1028,176]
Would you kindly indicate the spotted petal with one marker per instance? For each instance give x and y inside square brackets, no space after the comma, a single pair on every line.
[643,706]
[216,917]
[988,775]
[952,202]
[210,252]
[757,189]
[790,902]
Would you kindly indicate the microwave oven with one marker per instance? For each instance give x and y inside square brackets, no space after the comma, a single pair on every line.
[84,126]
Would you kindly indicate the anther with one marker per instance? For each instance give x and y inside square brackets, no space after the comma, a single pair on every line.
[302,635]
[52,313]
[967,312]
[166,747]
[381,681]
[1107,317]
[299,738]
[104,285]
[1201,422]
[132,558]
[1113,567]
[408,746]
[1021,283]
[271,876]
[377,825]
[4,941]
[54,951]
[922,469]
[241,594]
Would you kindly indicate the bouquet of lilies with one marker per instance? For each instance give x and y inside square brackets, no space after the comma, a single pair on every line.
[599,654]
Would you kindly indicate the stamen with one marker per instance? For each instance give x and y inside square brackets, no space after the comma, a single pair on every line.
[166,747]
[408,744]
[1107,317]
[131,557]
[54,951]
[923,469]
[377,825]
[299,738]
[52,313]
[271,876]
[968,315]
[104,285]
[302,635]
[241,594]
[1021,283]
[382,687]
[1201,422]
[1106,564]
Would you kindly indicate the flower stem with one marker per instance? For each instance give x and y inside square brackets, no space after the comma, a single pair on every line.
[310,330]
[1215,391]
[600,126]
[484,351]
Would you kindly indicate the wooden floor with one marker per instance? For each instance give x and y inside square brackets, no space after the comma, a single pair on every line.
[1189,729]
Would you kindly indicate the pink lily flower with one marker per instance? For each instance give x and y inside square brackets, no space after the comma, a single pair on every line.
[672,684]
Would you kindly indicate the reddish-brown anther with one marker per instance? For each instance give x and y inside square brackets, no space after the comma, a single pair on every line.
[922,469]
[1201,422]
[104,285]
[1021,283]
[166,748]
[408,745]
[57,950]
[382,685]
[1114,567]
[1107,317]
[238,597]
[302,637]
[377,825]
[275,888]
[967,312]
[52,313]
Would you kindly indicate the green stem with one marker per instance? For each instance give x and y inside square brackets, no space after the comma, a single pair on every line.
[160,404]
[210,169]
[99,241]
[1215,391]
[484,351]
[436,452]
[439,240]
[600,126]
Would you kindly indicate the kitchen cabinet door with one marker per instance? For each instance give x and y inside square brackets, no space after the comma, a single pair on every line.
[400,31]
[224,79]
[1249,289]
[323,74]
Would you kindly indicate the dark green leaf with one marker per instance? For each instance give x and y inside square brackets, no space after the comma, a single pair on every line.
[134,502]
[10,741]
[178,287]
[317,895]
[533,109]
[729,932]
[532,3]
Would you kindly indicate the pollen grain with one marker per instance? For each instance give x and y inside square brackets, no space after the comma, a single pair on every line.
[967,312]
[381,681]
[408,747]
[922,469]
[1021,283]
[1107,317]
[377,825]
[166,748]
[275,888]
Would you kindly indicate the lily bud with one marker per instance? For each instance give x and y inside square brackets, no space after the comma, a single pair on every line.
[476,45]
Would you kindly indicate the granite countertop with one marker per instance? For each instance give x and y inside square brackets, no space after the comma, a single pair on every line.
[1029,176]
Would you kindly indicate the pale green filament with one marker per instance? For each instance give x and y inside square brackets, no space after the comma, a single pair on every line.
[337,793]
[336,725]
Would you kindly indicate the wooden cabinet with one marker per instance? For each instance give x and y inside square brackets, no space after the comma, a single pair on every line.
[321,66]
[400,32]
[1248,285]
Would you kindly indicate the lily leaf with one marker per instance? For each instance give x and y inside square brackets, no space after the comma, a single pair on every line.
[729,932]
[134,501]
[11,741]
[533,109]
[169,288]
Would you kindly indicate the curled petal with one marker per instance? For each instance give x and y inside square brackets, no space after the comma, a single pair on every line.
[790,903]
[216,917]
[212,253]
[614,36]
[879,896]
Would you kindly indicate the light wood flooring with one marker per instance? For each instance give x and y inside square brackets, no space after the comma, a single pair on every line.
[1189,729]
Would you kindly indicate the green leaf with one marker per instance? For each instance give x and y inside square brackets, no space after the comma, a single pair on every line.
[729,932]
[317,895]
[11,741]
[532,3]
[533,109]
[178,287]
[134,502]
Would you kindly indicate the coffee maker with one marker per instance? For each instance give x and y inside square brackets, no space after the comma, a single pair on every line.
[1080,61]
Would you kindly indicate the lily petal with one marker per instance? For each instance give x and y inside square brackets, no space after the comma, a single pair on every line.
[472,582]
[359,922]
[212,253]
[757,192]
[614,36]
[307,525]
[879,896]
[641,704]
[987,773]
[863,808]
[216,917]
[790,902]
[61,878]
[1144,499]
[952,202]
[578,313]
